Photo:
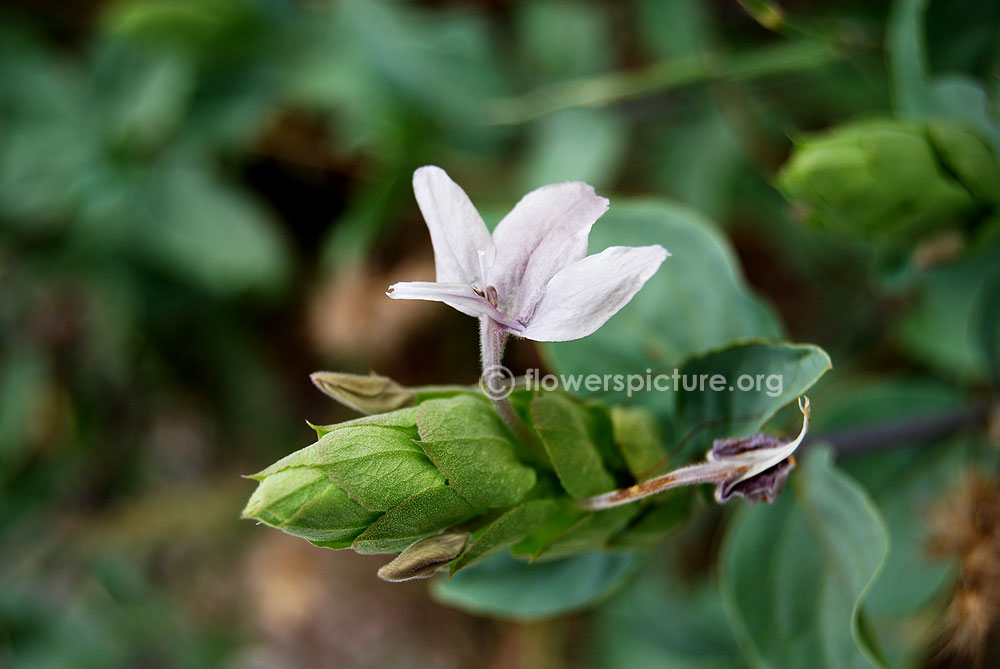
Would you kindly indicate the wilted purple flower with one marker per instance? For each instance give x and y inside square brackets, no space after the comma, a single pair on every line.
[754,468]
[761,487]
[532,277]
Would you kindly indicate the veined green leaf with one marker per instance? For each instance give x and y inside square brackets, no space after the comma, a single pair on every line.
[638,438]
[664,618]
[760,378]
[505,587]
[656,521]
[563,426]
[590,532]
[794,575]
[905,482]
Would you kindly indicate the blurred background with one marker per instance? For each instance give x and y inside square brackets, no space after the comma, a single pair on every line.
[203,201]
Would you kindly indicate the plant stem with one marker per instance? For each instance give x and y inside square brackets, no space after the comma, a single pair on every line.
[492,339]
[608,89]
[907,431]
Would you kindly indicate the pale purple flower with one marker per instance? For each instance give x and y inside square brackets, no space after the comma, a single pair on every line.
[754,468]
[532,277]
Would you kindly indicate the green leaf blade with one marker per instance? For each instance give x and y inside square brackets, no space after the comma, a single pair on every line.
[740,410]
[563,426]
[505,587]
[794,575]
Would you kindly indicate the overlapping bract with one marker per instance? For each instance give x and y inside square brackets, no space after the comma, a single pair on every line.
[381,483]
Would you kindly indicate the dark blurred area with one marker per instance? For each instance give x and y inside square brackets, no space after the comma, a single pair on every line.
[203,201]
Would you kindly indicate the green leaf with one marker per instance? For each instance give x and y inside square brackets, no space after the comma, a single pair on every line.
[145,94]
[918,95]
[565,431]
[656,521]
[382,473]
[969,159]
[424,513]
[664,618]
[760,378]
[465,438]
[638,438]
[208,27]
[505,587]
[673,29]
[397,45]
[561,520]
[590,531]
[283,495]
[904,482]
[696,301]
[940,327]
[851,402]
[506,530]
[700,160]
[794,575]
[209,233]
[910,481]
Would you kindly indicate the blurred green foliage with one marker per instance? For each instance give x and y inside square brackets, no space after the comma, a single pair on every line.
[179,178]
[894,180]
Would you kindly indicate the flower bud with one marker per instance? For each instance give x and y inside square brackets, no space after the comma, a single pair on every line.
[424,558]
[369,394]
[303,502]
[380,483]
[891,178]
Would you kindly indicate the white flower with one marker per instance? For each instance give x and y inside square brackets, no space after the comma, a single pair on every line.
[532,277]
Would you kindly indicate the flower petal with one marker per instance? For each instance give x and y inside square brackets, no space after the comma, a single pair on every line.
[765,463]
[583,296]
[762,487]
[460,296]
[457,230]
[546,231]
[760,452]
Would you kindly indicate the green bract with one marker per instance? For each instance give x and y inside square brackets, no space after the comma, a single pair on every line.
[891,178]
[382,483]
